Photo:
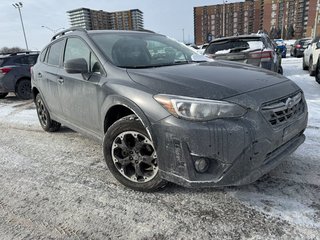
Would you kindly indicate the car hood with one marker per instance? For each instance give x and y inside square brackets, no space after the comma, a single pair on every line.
[210,80]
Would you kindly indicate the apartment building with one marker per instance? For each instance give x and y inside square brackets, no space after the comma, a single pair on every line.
[280,18]
[98,19]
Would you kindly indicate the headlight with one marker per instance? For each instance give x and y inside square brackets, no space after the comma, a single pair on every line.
[199,109]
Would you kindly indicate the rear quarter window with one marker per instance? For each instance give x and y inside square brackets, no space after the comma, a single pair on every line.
[2,61]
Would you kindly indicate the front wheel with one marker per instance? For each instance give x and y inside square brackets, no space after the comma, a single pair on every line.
[3,95]
[280,70]
[131,156]
[45,120]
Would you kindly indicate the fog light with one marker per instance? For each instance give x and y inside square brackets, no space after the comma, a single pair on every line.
[201,165]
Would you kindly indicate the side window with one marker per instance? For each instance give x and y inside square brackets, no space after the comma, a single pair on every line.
[55,53]
[32,59]
[43,55]
[77,49]
[18,60]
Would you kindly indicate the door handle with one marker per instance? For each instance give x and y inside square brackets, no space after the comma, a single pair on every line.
[60,80]
[39,75]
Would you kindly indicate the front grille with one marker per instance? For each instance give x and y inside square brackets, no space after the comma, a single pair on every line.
[283,110]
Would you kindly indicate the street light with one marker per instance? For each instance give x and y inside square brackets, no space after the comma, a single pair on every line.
[52,30]
[18,6]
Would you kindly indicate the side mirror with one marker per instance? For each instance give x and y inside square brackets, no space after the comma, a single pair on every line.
[77,65]
[318,45]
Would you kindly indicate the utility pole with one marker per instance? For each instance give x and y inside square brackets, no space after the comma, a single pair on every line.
[183,35]
[19,6]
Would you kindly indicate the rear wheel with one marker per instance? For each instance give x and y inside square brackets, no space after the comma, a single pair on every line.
[317,73]
[311,70]
[130,155]
[280,70]
[3,95]
[46,122]
[23,89]
[304,66]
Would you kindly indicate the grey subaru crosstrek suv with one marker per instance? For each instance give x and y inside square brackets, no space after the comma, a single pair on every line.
[15,73]
[165,113]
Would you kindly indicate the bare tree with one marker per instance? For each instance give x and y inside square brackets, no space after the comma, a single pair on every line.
[11,50]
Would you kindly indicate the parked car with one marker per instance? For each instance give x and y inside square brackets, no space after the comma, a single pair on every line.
[310,57]
[202,48]
[316,59]
[177,117]
[255,49]
[15,73]
[281,47]
[307,56]
[299,46]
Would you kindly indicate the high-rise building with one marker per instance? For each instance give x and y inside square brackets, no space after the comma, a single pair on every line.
[98,20]
[280,18]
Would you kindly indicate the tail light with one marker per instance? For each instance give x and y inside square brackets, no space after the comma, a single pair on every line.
[264,56]
[5,70]
[298,46]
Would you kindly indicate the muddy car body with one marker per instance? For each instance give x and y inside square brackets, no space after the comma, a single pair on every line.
[169,117]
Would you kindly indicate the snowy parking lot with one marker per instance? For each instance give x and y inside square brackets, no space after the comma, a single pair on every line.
[57,186]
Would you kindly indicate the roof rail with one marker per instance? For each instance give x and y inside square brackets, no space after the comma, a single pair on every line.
[72,29]
[19,53]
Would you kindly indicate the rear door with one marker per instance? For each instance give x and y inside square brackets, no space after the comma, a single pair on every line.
[79,92]
[47,76]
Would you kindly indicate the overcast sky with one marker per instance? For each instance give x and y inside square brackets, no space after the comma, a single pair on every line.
[168,17]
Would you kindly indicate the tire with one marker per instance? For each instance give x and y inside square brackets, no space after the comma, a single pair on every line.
[23,89]
[3,95]
[45,120]
[317,73]
[311,71]
[280,70]
[304,66]
[131,156]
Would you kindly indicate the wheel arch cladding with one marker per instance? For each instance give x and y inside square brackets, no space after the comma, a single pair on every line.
[117,107]
[35,92]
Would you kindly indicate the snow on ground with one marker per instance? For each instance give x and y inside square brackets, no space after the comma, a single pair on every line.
[290,192]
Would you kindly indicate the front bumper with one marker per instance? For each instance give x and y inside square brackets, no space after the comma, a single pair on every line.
[239,151]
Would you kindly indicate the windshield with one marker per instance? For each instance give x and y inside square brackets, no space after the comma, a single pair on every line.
[138,50]
[235,46]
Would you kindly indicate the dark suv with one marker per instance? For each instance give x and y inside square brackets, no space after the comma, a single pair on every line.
[15,73]
[255,49]
[165,113]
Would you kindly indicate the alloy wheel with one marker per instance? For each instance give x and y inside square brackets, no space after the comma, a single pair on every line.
[42,112]
[134,156]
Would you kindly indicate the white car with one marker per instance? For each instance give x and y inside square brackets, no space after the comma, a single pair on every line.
[311,56]
[306,56]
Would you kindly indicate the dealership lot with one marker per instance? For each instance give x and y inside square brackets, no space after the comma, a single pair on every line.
[58,186]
